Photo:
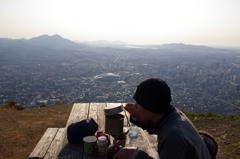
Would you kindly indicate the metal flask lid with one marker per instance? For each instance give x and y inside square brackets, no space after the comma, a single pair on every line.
[113,110]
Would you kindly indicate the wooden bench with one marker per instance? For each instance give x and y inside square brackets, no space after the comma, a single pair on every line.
[54,143]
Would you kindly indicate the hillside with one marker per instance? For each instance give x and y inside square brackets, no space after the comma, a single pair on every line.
[22,129]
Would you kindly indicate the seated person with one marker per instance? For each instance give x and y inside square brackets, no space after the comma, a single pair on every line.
[177,136]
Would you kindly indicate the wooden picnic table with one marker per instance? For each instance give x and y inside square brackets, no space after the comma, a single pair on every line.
[54,143]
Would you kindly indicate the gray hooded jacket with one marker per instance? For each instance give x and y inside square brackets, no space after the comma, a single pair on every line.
[177,139]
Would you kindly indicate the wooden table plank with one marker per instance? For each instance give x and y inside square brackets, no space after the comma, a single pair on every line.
[93,111]
[96,111]
[147,143]
[56,145]
[79,112]
[71,151]
[101,117]
[44,143]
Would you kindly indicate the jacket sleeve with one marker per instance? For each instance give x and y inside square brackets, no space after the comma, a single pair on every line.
[139,154]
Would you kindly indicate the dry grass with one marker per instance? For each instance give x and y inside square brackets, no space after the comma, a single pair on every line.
[20,130]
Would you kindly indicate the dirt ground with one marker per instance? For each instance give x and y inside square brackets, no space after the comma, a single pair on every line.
[20,130]
[226,133]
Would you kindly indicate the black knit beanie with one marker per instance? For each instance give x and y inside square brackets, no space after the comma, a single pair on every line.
[154,95]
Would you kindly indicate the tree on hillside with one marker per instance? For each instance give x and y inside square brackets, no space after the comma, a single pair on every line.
[11,103]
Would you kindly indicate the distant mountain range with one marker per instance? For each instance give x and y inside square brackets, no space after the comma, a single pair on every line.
[50,46]
[56,41]
[38,48]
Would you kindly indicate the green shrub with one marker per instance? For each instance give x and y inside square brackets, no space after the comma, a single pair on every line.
[44,105]
[11,103]
[200,116]
[19,107]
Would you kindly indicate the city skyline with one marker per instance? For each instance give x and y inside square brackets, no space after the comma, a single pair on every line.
[209,23]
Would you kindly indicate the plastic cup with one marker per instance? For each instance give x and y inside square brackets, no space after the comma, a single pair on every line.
[90,144]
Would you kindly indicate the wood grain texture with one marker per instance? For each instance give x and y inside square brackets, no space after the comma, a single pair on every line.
[148,143]
[57,144]
[101,119]
[44,143]
[78,113]
[96,111]
[71,151]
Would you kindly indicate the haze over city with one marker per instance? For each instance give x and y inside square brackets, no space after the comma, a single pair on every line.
[205,22]
[59,55]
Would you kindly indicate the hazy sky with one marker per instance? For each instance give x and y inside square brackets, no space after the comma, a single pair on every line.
[204,22]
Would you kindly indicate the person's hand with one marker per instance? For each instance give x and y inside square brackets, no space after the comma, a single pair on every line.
[125,153]
[131,108]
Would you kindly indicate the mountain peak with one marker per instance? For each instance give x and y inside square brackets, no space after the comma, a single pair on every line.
[51,41]
[46,37]
[183,47]
[56,36]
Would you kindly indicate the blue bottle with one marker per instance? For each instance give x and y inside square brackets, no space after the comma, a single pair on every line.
[133,135]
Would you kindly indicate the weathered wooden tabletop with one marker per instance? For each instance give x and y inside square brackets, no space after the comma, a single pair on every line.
[60,148]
